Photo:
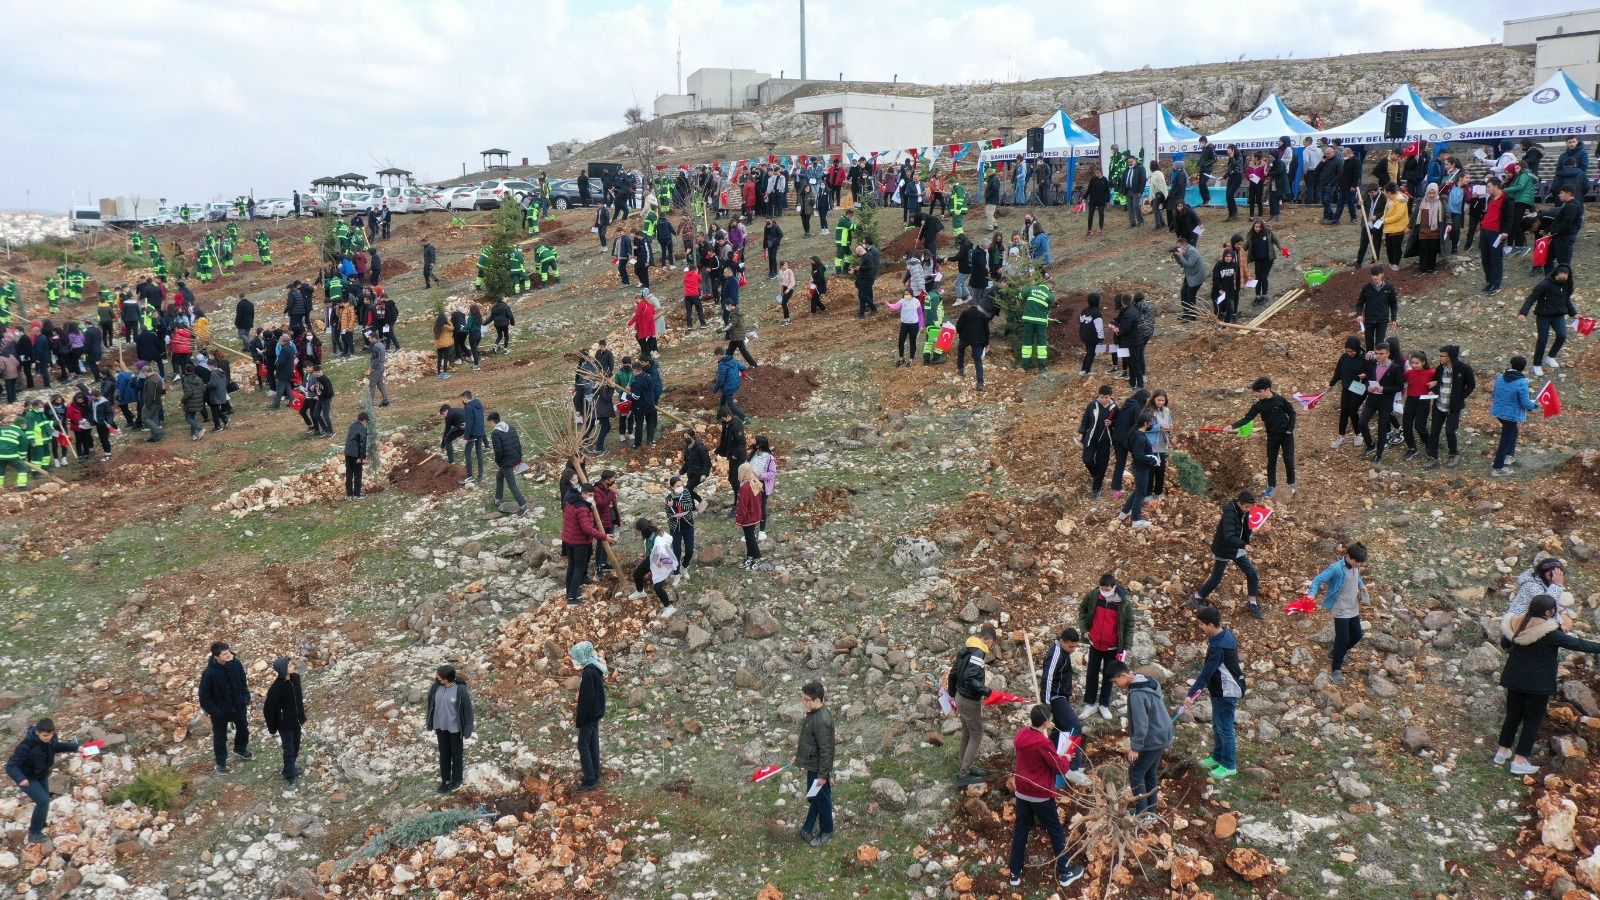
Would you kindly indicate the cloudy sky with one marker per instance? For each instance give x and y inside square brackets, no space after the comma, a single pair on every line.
[196,100]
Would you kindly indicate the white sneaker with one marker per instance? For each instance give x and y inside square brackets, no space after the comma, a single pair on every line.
[1087,711]
[1142,523]
[1121,516]
[1538,370]
[667,611]
[1551,362]
[1500,757]
[761,536]
[1337,443]
[1105,712]
[683,574]
[1522,768]
[636,595]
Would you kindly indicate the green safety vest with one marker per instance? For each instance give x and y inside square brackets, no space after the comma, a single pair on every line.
[335,288]
[147,317]
[52,289]
[650,224]
[1036,308]
[958,201]
[932,310]
[13,442]
[483,258]
[519,264]
[136,242]
[544,255]
[841,232]
[38,425]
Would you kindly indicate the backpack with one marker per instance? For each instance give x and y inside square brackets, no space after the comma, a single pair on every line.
[1146,329]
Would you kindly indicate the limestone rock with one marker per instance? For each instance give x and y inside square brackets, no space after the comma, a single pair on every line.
[1251,865]
[1557,818]
[1415,738]
[758,624]
[889,794]
[1226,825]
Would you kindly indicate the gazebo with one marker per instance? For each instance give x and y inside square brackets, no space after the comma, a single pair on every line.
[351,179]
[400,176]
[505,158]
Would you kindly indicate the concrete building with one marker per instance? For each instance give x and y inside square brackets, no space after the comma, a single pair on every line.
[863,123]
[727,89]
[1524,34]
[1577,53]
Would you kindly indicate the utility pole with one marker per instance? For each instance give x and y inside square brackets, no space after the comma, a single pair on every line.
[802,40]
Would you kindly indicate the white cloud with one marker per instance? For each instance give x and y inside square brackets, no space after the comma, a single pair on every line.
[195,99]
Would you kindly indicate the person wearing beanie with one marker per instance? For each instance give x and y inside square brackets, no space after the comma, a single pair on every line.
[284,714]
[225,698]
[966,683]
[30,765]
[591,709]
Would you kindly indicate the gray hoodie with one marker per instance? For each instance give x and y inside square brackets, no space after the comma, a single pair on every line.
[1149,723]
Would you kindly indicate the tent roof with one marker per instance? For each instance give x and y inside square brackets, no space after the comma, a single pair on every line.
[1062,138]
[394,171]
[494,152]
[1423,122]
[1263,127]
[1556,109]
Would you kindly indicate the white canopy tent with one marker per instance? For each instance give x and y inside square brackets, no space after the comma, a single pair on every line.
[1555,110]
[1263,127]
[1172,136]
[1063,139]
[1423,122]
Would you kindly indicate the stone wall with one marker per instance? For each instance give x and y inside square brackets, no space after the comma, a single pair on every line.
[1207,98]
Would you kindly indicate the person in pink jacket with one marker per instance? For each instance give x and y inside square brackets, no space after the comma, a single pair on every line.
[766,469]
[644,324]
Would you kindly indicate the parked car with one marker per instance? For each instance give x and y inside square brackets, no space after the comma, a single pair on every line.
[345,203]
[218,212]
[490,193]
[564,193]
[311,204]
[401,199]
[274,208]
[461,197]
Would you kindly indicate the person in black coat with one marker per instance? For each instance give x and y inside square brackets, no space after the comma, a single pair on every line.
[1278,415]
[591,709]
[1185,222]
[1533,643]
[972,331]
[1378,306]
[225,698]
[507,447]
[696,461]
[1229,545]
[284,713]
[1096,197]
[1123,427]
[244,319]
[449,716]
[30,765]
[1225,287]
[1551,304]
[1094,436]
[355,456]
[1453,382]
[1383,379]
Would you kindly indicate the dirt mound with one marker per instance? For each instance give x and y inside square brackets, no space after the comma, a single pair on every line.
[558,234]
[767,391]
[393,267]
[1230,461]
[419,472]
[1338,294]
[895,250]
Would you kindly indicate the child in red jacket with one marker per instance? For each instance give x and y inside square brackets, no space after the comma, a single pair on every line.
[1419,402]
[1038,764]
[747,514]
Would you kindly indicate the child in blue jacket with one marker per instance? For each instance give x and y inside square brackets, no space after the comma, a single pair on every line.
[1510,405]
[1345,593]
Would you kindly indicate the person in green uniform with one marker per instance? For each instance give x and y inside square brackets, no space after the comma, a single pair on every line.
[1036,307]
[8,301]
[544,197]
[135,243]
[652,217]
[958,208]
[227,253]
[843,231]
[530,216]
[233,231]
[335,288]
[358,239]
[36,422]
[483,266]
[14,451]
[79,279]
[158,262]
[264,247]
[545,259]
[519,270]
[933,319]
[183,213]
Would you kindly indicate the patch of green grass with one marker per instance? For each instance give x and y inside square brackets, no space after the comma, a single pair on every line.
[156,788]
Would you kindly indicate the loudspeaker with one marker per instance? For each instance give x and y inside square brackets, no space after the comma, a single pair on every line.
[1035,140]
[1394,122]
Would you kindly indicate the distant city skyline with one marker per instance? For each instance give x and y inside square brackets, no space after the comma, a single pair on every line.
[192,102]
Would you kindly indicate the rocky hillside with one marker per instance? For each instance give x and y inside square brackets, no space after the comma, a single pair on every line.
[1207,97]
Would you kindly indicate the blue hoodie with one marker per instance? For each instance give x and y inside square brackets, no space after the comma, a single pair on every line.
[728,369]
[1511,401]
[1221,674]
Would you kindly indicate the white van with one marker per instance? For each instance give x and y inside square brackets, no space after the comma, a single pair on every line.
[85,218]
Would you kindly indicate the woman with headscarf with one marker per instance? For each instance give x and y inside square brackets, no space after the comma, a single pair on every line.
[1430,227]
[747,514]
[591,709]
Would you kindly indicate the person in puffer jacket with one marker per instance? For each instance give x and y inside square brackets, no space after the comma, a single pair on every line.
[966,683]
[1533,642]
[1510,405]
[1229,545]
[1548,576]
[1551,304]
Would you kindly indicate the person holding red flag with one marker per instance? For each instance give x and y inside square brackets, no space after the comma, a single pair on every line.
[1345,592]
[966,683]
[1038,765]
[1229,545]
[1551,304]
[1105,615]
[1510,406]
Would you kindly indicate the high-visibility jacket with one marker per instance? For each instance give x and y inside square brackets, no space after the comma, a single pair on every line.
[1036,307]
[13,442]
[52,289]
[544,255]
[40,428]
[136,242]
[841,232]
[519,263]
[933,311]
[335,288]
[650,219]
[483,260]
[958,201]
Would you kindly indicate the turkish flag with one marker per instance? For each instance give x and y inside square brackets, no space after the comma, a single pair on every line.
[765,772]
[93,748]
[998,697]
[1308,401]
[1549,400]
[1411,149]
[1586,325]
[1303,605]
[1259,516]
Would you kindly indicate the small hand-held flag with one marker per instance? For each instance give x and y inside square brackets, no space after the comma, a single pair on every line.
[92,748]
[1308,401]
[765,772]
[1303,605]
[1549,400]
[998,697]
[1586,325]
[1259,516]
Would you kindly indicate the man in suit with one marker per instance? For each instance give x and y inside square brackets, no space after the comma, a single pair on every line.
[1133,189]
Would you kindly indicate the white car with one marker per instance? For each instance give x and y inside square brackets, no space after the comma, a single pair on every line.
[312,203]
[345,203]
[458,198]
[490,193]
[401,199]
[274,208]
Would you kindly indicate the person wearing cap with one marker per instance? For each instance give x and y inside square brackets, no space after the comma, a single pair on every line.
[284,714]
[225,698]
[591,709]
[449,716]
[30,765]
[966,683]
[579,528]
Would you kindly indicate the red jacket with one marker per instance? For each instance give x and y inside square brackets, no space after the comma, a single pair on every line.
[1491,214]
[748,511]
[1038,764]
[605,500]
[577,524]
[1417,382]
[644,320]
[182,341]
[691,283]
